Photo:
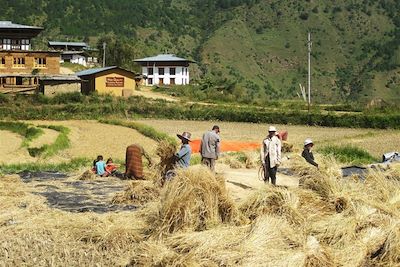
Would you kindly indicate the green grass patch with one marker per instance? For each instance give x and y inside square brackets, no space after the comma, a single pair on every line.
[195,159]
[143,129]
[73,165]
[348,154]
[25,130]
[62,142]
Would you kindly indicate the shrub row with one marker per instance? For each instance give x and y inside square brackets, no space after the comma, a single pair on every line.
[163,109]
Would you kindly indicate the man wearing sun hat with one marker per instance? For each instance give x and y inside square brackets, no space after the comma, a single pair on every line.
[307,153]
[184,154]
[271,155]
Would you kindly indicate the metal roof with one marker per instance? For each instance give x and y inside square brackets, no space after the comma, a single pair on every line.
[56,43]
[98,70]
[10,25]
[163,57]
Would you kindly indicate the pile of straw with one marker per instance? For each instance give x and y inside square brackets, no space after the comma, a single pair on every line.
[193,200]
[138,193]
[87,175]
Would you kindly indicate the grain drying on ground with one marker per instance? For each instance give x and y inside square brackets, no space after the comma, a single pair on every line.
[193,221]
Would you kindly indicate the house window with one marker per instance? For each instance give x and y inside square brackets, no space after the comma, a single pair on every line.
[160,71]
[172,71]
[40,62]
[172,81]
[2,62]
[150,80]
[150,71]
[19,62]
[161,81]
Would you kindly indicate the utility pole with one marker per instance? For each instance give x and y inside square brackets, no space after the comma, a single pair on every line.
[104,54]
[309,43]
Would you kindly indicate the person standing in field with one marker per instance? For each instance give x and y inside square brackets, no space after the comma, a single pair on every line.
[210,148]
[271,155]
[134,163]
[184,154]
[307,153]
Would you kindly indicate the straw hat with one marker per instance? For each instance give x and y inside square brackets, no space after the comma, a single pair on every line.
[185,135]
[271,129]
[308,141]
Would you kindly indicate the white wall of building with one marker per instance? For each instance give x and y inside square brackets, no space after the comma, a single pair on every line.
[181,76]
[76,59]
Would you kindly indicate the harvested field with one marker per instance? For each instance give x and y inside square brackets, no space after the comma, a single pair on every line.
[374,141]
[10,148]
[197,219]
[48,137]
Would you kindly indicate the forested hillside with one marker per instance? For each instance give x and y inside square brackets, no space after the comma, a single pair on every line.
[248,49]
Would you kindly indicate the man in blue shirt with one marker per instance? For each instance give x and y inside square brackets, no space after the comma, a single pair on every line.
[184,154]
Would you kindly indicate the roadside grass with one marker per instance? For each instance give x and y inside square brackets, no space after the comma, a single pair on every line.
[25,130]
[146,130]
[70,166]
[348,154]
[62,142]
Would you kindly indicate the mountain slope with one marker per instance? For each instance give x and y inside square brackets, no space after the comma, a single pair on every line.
[257,47]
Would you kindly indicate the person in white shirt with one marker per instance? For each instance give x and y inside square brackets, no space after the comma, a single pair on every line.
[271,155]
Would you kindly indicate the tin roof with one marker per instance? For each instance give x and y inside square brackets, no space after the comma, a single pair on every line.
[56,43]
[10,25]
[163,57]
[98,70]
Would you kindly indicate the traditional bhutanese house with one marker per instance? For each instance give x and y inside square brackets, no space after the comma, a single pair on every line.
[74,52]
[20,66]
[59,84]
[108,80]
[165,69]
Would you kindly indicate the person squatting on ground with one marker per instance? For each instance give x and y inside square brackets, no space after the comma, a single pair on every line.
[271,155]
[307,153]
[210,148]
[134,162]
[101,167]
[184,154]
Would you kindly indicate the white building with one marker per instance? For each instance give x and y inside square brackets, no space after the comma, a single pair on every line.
[74,52]
[165,69]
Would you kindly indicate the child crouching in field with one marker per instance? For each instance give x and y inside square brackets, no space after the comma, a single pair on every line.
[111,167]
[101,167]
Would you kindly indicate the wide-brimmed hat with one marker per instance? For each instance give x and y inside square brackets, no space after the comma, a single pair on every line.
[271,129]
[308,141]
[185,135]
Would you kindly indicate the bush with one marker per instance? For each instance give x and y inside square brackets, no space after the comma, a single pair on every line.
[66,98]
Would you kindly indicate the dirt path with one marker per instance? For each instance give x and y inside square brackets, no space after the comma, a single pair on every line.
[10,148]
[242,182]
[48,137]
[148,93]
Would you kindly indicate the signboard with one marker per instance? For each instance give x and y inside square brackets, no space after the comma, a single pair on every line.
[115,81]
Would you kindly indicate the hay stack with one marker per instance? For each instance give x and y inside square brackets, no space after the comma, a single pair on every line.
[87,175]
[272,200]
[138,193]
[193,200]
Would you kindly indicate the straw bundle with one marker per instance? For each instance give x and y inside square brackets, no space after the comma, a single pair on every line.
[286,147]
[166,151]
[87,175]
[138,193]
[273,200]
[194,200]
[317,255]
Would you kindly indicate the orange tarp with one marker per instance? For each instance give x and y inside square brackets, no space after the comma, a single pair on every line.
[228,146]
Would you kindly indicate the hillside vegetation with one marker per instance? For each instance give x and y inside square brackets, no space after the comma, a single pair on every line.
[249,49]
